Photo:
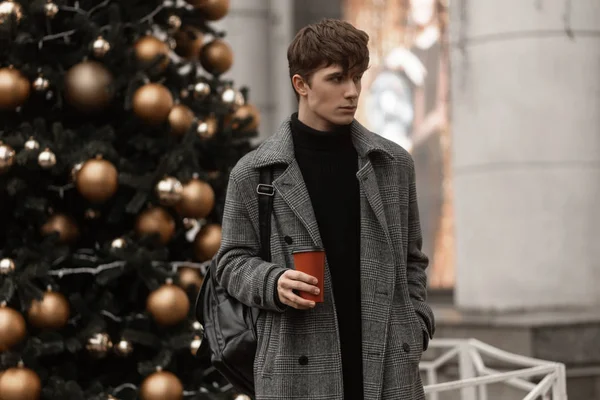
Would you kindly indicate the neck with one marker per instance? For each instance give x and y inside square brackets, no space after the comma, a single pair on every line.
[312,121]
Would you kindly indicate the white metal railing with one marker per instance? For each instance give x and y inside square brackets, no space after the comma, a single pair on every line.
[475,376]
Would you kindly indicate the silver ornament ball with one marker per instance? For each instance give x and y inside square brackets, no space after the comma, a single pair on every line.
[100,47]
[50,9]
[41,84]
[169,191]
[118,243]
[47,159]
[8,9]
[174,22]
[32,144]
[123,348]
[99,344]
[7,265]
[201,90]
[232,98]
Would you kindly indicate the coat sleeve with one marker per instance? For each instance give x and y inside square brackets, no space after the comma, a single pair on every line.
[240,270]
[417,262]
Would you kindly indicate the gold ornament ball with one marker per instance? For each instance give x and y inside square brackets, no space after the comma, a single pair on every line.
[98,180]
[118,243]
[50,9]
[41,84]
[152,103]
[242,397]
[88,86]
[181,119]
[195,345]
[189,42]
[98,345]
[189,277]
[212,10]
[100,47]
[9,9]
[32,144]
[207,128]
[201,90]
[197,199]
[123,348]
[12,328]
[169,190]
[52,312]
[207,242]
[169,305]
[20,384]
[47,159]
[14,89]
[148,48]
[7,265]
[216,57]
[244,112]
[156,220]
[64,225]
[7,157]
[174,22]
[161,385]
[232,98]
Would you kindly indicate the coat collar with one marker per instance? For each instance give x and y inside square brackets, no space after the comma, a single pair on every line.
[279,148]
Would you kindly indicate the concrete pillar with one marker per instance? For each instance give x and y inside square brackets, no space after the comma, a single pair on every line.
[256,30]
[526,152]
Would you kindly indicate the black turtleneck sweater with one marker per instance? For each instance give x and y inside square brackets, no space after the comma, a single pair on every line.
[329,162]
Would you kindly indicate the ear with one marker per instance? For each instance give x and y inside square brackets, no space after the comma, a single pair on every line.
[300,85]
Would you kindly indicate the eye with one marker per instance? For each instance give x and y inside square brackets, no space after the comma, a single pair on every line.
[357,78]
[336,79]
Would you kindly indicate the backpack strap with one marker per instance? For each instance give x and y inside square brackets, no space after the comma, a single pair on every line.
[265,191]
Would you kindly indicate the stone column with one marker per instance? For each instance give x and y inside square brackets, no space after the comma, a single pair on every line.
[526,143]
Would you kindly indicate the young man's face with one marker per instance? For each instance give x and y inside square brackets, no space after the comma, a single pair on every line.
[330,99]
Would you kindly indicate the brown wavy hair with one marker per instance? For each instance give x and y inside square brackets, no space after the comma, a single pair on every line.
[325,43]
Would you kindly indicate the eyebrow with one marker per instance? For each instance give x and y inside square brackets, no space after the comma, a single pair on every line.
[334,74]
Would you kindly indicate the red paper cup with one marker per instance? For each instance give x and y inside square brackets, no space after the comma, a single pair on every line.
[311,261]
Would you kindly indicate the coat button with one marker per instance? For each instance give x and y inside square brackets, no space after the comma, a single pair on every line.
[303,360]
[288,240]
[406,347]
[256,299]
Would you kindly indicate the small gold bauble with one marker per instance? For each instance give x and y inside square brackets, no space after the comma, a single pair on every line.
[189,277]
[88,86]
[216,57]
[100,47]
[174,22]
[152,103]
[207,242]
[10,9]
[50,9]
[41,84]
[20,384]
[98,180]
[52,312]
[12,328]
[118,243]
[168,305]
[197,327]
[232,98]
[64,225]
[98,345]
[7,157]
[201,90]
[244,112]
[123,348]
[197,199]
[47,159]
[195,345]
[207,127]
[169,191]
[161,385]
[156,220]
[189,42]
[14,88]
[148,48]
[181,119]
[31,144]
[7,265]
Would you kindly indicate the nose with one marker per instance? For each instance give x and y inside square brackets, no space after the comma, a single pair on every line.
[351,90]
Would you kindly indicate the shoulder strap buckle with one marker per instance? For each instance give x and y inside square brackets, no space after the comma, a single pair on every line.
[265,190]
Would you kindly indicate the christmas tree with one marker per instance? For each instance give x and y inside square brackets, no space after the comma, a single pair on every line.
[117,135]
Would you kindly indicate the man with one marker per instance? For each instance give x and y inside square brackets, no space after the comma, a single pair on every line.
[347,190]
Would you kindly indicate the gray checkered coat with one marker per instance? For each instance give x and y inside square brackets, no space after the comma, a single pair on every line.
[298,354]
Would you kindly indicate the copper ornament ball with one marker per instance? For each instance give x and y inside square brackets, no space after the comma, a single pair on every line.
[216,57]
[149,47]
[12,328]
[212,10]
[64,225]
[156,220]
[189,42]
[181,119]
[52,312]
[189,277]
[161,385]
[168,305]
[20,383]
[152,103]
[197,199]
[207,242]
[14,89]
[245,111]
[98,180]
[88,86]
[7,157]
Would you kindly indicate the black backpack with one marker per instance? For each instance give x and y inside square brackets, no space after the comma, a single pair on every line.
[230,326]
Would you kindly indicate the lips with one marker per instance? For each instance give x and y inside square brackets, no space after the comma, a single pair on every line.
[348,108]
